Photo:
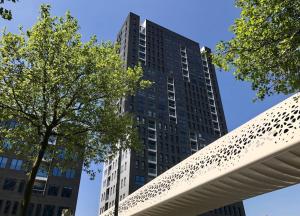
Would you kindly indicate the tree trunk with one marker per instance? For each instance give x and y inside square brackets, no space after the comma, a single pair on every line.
[32,176]
[116,210]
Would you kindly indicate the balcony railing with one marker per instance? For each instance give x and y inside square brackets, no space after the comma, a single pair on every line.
[152,158]
[152,171]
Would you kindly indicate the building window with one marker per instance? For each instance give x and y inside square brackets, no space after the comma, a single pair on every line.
[225,210]
[39,187]
[61,153]
[16,164]
[43,171]
[7,207]
[161,157]
[70,173]
[240,212]
[62,210]
[1,203]
[38,210]
[6,144]
[66,192]
[48,210]
[3,161]
[139,180]
[56,171]
[53,190]
[161,168]
[21,186]
[136,164]
[9,184]
[15,208]
[143,165]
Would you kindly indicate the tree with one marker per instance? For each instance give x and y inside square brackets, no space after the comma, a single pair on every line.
[266,46]
[55,86]
[5,13]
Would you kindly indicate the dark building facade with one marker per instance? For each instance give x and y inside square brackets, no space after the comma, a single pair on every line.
[54,190]
[177,116]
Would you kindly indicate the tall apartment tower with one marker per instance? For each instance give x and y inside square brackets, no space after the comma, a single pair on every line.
[180,114]
[54,191]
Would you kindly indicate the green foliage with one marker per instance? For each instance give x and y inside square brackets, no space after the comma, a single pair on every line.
[54,85]
[266,46]
[5,13]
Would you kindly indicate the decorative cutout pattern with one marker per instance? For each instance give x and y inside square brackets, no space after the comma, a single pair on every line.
[279,125]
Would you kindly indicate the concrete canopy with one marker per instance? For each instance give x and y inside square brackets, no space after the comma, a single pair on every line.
[260,156]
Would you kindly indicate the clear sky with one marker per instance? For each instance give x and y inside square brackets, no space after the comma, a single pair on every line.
[205,21]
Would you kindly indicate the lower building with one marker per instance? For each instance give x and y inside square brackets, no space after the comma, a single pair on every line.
[236,209]
[54,190]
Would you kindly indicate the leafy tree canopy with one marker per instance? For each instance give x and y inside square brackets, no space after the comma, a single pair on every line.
[5,13]
[52,85]
[266,46]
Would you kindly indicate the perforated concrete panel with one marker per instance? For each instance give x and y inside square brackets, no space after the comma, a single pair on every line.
[262,155]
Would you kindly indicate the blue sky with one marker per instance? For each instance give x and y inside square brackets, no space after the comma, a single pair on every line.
[205,21]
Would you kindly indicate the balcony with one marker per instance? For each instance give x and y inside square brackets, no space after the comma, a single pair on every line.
[152,146]
[171,104]
[43,172]
[142,49]
[39,186]
[151,125]
[142,42]
[142,55]
[142,30]
[173,119]
[171,96]
[47,158]
[183,59]
[151,136]
[193,151]
[185,72]
[207,80]
[170,81]
[152,172]
[170,88]
[172,114]
[142,35]
[143,61]
[194,146]
[152,157]
[184,66]
[213,109]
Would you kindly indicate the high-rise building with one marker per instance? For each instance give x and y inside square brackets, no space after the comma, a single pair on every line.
[178,115]
[55,191]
